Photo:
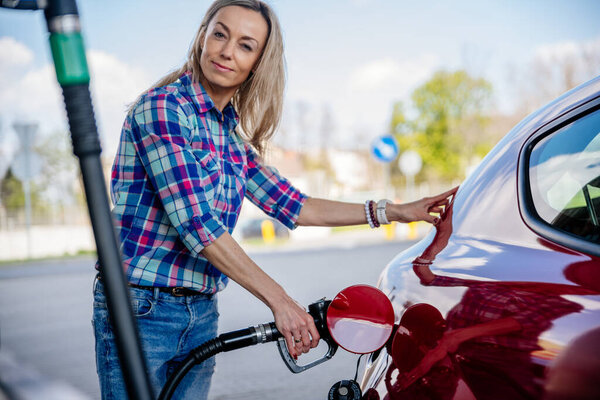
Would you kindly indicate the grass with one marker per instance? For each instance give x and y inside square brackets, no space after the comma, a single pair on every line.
[66,256]
[350,228]
[260,242]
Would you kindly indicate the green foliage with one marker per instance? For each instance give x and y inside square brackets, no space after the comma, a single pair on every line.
[54,185]
[59,171]
[12,195]
[446,131]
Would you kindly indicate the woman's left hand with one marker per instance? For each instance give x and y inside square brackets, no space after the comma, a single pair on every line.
[420,210]
[447,344]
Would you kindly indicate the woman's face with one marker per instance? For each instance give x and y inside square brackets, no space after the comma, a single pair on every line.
[233,43]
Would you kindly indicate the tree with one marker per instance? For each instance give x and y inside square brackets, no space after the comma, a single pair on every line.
[553,70]
[11,192]
[59,176]
[446,131]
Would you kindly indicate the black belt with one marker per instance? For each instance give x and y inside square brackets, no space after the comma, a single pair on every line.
[173,291]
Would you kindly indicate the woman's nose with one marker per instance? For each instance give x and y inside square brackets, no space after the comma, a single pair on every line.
[227,49]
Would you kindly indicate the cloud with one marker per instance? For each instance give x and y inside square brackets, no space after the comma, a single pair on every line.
[373,88]
[360,100]
[115,84]
[568,62]
[553,69]
[567,49]
[22,90]
[33,94]
[13,53]
[393,75]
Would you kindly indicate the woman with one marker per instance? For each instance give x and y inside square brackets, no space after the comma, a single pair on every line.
[188,156]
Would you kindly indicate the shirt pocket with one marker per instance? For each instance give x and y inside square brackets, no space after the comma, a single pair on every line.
[205,153]
[234,181]
[207,160]
[146,235]
[210,168]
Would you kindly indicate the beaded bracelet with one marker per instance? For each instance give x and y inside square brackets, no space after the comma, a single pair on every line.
[368,213]
[372,214]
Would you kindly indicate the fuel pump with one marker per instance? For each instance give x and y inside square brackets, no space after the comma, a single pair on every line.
[68,53]
[360,319]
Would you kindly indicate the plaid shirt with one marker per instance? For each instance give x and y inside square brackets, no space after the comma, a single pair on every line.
[489,301]
[178,181]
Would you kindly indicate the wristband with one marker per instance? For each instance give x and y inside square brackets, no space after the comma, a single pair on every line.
[381,208]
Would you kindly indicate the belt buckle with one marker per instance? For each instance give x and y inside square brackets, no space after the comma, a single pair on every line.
[177,292]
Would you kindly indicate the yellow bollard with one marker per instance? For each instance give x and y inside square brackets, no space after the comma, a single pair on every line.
[412,230]
[390,231]
[268,231]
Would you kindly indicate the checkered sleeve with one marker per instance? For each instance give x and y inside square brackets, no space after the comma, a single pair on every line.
[161,134]
[535,313]
[272,193]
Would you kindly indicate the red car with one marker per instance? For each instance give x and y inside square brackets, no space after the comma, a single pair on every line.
[502,299]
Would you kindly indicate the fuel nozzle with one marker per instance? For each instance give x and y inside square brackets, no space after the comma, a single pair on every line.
[318,310]
[360,320]
[250,336]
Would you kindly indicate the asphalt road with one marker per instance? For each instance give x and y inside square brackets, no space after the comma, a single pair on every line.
[45,328]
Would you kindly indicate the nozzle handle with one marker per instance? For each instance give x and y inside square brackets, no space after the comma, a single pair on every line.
[318,310]
[293,365]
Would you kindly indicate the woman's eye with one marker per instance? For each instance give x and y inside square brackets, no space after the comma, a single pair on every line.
[219,35]
[247,47]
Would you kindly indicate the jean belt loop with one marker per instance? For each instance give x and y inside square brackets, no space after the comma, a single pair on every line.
[156,293]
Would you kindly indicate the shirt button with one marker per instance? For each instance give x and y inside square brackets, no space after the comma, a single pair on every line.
[196,221]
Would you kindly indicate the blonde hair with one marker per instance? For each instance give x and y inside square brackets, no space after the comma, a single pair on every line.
[259,100]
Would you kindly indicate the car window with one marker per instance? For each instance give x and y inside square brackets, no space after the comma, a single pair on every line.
[564,178]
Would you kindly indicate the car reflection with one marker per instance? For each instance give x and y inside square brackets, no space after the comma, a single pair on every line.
[484,346]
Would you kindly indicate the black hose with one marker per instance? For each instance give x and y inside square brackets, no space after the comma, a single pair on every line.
[82,124]
[224,342]
[198,355]
[238,339]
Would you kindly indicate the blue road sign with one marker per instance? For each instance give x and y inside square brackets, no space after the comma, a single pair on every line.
[385,148]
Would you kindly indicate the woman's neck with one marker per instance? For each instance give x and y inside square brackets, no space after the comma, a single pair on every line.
[219,96]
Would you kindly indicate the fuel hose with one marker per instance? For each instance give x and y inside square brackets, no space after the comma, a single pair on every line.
[225,342]
[258,334]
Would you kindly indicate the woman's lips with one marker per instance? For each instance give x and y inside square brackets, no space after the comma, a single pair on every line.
[221,67]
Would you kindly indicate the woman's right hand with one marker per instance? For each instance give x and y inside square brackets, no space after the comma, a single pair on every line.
[291,318]
[296,325]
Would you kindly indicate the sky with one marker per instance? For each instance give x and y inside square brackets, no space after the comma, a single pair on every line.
[349,60]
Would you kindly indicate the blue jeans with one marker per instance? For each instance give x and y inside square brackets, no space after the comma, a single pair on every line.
[169,327]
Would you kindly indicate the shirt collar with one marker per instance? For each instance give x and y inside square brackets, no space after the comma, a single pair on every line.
[205,103]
